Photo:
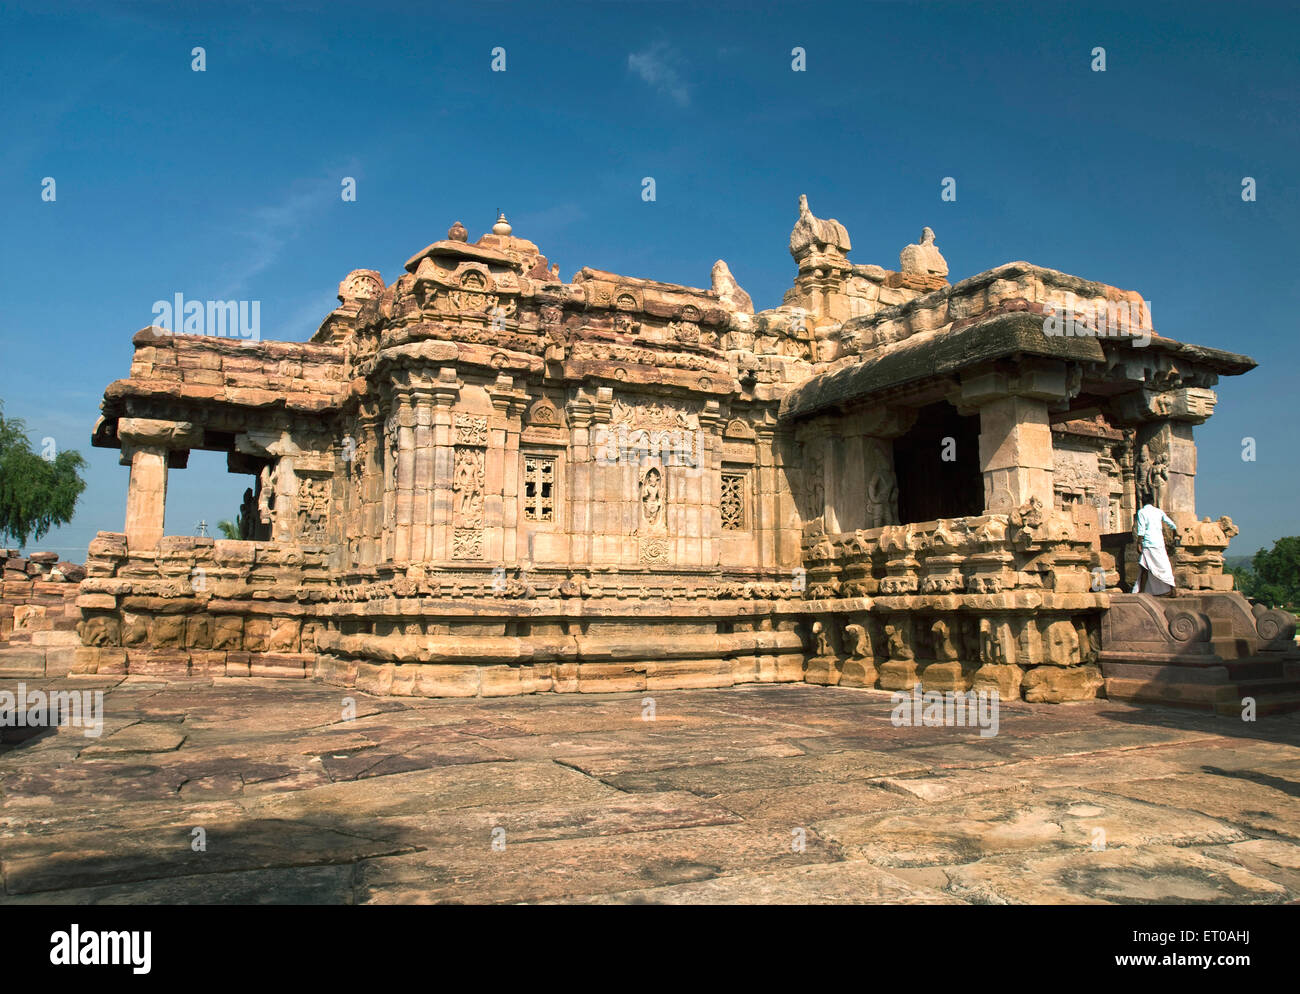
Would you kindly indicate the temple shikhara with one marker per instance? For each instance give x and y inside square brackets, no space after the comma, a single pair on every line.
[479,479]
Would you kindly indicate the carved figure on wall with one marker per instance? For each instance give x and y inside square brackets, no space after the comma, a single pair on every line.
[266,492]
[1153,474]
[814,481]
[882,498]
[898,637]
[467,484]
[947,641]
[859,641]
[313,509]
[651,497]
[822,638]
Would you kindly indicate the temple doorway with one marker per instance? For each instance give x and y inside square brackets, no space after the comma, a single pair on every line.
[938,466]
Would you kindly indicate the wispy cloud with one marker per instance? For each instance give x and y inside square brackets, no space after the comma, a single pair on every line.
[269,229]
[658,66]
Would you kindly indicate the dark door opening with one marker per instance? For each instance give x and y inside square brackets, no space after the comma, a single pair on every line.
[937,464]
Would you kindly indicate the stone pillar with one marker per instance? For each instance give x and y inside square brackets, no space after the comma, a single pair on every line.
[703,546]
[284,526]
[146,497]
[147,446]
[1164,422]
[404,507]
[1015,453]
[370,488]
[446,391]
[588,416]
[503,514]
[1015,430]
[421,542]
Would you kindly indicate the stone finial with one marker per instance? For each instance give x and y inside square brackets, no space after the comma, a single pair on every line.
[502,227]
[457,233]
[729,292]
[361,284]
[923,259]
[816,240]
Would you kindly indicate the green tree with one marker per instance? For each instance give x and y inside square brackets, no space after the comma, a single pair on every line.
[36,493]
[1274,576]
[228,529]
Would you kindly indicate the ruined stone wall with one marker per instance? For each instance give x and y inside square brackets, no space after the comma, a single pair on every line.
[38,613]
[198,606]
[233,371]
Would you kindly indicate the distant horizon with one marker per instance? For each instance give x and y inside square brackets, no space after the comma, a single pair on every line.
[226,183]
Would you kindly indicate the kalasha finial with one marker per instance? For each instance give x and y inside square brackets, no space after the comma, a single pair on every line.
[502,227]
[457,233]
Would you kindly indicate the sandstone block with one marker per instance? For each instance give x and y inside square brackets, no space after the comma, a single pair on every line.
[608,678]
[100,630]
[158,662]
[16,662]
[60,660]
[257,634]
[944,677]
[198,631]
[377,680]
[564,678]
[859,673]
[228,632]
[1053,684]
[446,680]
[1005,678]
[283,635]
[167,631]
[207,663]
[284,665]
[97,602]
[899,674]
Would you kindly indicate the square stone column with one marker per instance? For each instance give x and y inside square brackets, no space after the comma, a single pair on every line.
[1165,451]
[146,496]
[147,446]
[446,392]
[1015,442]
[1015,453]
[421,542]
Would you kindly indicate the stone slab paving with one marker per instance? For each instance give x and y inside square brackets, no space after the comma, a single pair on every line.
[771,794]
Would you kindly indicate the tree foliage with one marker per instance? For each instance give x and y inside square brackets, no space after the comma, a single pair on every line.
[36,493]
[228,529]
[1274,574]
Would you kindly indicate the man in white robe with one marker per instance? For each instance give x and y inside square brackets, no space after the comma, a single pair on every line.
[1155,575]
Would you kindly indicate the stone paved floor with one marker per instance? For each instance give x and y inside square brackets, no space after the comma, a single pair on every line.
[586,801]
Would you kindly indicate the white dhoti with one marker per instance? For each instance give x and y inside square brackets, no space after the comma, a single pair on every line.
[1160,575]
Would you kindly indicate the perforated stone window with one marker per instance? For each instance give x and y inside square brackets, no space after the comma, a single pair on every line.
[733,502]
[539,488]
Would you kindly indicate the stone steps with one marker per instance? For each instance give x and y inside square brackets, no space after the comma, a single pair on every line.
[1273,683]
[36,661]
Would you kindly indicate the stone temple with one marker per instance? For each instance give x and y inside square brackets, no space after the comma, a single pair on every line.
[480,479]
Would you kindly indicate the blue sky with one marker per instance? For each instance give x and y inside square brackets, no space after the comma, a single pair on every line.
[226,183]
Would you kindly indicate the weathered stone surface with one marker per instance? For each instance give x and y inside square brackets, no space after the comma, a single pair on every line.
[584,799]
[1054,685]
